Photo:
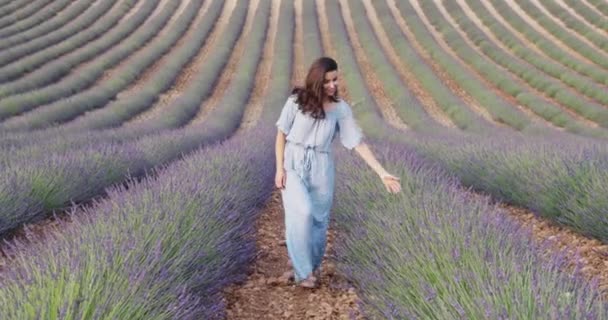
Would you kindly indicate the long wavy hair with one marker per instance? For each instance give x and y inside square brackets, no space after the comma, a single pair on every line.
[310,97]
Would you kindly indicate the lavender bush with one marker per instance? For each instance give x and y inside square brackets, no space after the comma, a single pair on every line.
[159,249]
[436,251]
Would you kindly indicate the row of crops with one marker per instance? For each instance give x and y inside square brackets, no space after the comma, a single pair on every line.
[162,201]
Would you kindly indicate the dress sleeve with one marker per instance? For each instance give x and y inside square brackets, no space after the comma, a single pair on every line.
[287,116]
[350,132]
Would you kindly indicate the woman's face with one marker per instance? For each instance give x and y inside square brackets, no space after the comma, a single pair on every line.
[330,83]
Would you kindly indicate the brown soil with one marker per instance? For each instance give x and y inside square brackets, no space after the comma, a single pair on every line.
[407,77]
[438,70]
[230,69]
[473,17]
[253,110]
[523,39]
[110,73]
[592,253]
[446,78]
[572,32]
[191,70]
[536,26]
[265,295]
[374,84]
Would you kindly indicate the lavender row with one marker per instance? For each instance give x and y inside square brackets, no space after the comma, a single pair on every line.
[598,57]
[94,22]
[559,177]
[75,133]
[162,248]
[34,187]
[581,85]
[576,25]
[406,104]
[589,14]
[361,99]
[34,20]
[25,11]
[44,68]
[600,5]
[548,47]
[504,82]
[435,251]
[534,78]
[69,92]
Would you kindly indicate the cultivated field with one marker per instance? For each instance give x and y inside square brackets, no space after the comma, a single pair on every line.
[137,158]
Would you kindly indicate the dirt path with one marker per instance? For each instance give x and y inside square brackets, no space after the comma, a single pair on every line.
[230,69]
[376,88]
[540,29]
[189,72]
[265,295]
[427,100]
[253,110]
[570,31]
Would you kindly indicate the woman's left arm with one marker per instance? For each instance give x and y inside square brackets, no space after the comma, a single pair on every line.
[390,182]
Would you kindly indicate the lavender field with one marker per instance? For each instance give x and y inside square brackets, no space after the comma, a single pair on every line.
[137,158]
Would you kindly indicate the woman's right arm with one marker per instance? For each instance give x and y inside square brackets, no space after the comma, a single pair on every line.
[280,178]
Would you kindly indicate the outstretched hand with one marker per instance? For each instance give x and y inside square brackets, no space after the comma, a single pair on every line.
[391,183]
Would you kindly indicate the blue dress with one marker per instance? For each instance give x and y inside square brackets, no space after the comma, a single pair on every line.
[310,172]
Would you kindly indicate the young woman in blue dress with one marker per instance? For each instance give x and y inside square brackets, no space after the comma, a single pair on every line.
[309,121]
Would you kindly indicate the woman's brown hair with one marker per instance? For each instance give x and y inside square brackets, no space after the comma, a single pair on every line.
[310,97]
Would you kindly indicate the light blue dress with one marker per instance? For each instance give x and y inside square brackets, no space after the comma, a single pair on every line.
[310,173]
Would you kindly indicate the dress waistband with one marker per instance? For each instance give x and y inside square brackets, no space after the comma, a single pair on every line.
[308,147]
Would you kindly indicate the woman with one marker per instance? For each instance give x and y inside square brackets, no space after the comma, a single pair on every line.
[305,172]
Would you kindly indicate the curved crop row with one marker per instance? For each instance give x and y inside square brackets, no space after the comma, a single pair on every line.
[504,81]
[155,265]
[600,5]
[14,5]
[49,182]
[94,22]
[48,26]
[437,252]
[61,102]
[38,70]
[548,47]
[500,110]
[25,11]
[534,78]
[590,15]
[517,48]
[406,104]
[599,41]
[598,57]
[34,20]
[362,103]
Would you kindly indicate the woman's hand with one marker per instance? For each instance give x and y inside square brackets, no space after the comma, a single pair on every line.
[280,178]
[391,183]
